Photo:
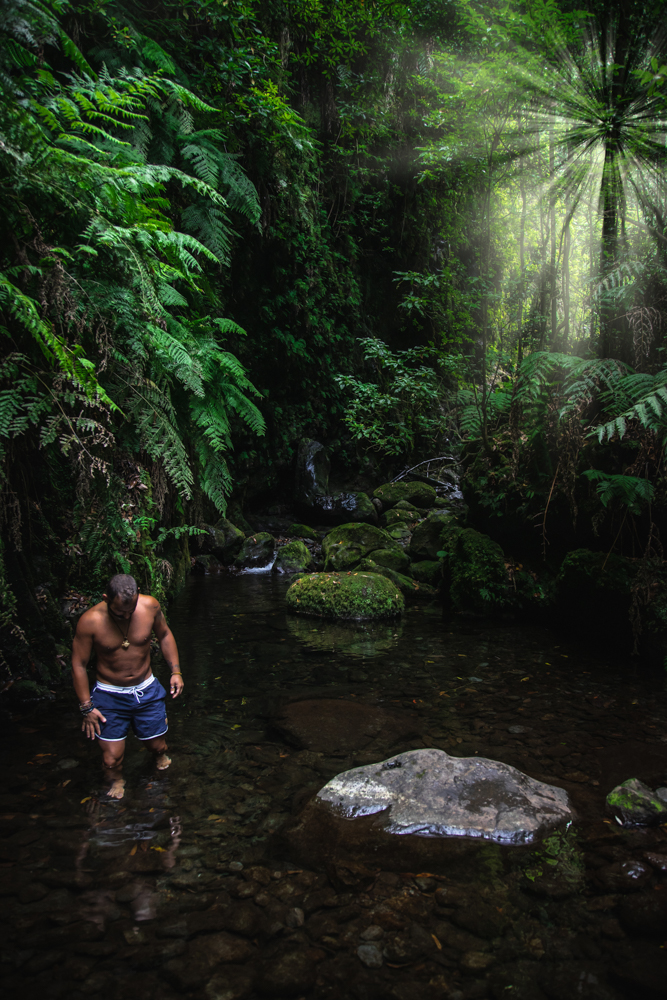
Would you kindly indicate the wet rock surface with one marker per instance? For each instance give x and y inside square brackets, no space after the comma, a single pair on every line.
[430,793]
[256,552]
[109,900]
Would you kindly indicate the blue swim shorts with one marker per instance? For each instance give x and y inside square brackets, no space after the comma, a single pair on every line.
[142,707]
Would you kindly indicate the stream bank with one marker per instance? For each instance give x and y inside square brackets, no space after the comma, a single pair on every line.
[186,887]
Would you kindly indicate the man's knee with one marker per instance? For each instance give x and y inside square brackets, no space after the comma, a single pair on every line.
[113,756]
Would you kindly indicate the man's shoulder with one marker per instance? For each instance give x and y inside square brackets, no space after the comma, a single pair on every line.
[148,603]
[90,618]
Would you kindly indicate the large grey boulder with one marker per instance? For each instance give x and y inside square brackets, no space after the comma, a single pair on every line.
[429,793]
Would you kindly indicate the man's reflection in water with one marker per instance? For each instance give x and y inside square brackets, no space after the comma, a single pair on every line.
[130,828]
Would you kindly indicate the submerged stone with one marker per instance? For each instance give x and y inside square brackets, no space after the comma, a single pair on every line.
[419,494]
[345,595]
[292,558]
[429,793]
[635,804]
[337,726]
[345,546]
[423,810]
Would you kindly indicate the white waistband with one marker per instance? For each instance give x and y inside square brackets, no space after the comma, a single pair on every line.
[125,690]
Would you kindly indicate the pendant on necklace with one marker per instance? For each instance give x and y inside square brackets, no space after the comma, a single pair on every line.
[125,643]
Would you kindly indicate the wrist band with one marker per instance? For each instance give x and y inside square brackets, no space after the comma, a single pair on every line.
[87,710]
[176,672]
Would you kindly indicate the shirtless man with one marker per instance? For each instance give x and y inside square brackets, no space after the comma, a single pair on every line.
[127,693]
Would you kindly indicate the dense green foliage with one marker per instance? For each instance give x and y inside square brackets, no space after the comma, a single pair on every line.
[236,223]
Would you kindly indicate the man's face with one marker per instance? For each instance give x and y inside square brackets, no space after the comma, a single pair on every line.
[121,607]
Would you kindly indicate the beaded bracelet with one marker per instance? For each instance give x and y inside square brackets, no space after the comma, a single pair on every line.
[87,709]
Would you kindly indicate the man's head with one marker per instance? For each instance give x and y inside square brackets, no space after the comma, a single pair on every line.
[122,595]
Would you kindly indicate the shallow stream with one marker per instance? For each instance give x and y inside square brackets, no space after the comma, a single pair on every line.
[186,886]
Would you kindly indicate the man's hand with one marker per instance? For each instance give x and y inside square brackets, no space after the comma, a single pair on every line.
[176,685]
[91,723]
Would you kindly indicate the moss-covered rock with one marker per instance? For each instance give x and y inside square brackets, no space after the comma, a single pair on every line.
[404,505]
[475,568]
[292,558]
[427,571]
[441,503]
[419,494]
[636,805]
[396,516]
[400,534]
[345,546]
[302,531]
[426,537]
[256,551]
[222,540]
[345,595]
[393,558]
[409,588]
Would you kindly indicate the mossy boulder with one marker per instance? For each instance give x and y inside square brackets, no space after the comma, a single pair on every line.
[393,558]
[400,534]
[635,804]
[302,531]
[345,595]
[292,558]
[475,569]
[396,516]
[409,588]
[223,540]
[419,494]
[427,571]
[345,546]
[427,536]
[441,503]
[256,552]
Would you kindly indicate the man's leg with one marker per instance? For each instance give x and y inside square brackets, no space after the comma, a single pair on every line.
[113,752]
[159,747]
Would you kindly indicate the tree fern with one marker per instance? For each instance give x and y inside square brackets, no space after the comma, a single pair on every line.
[629,491]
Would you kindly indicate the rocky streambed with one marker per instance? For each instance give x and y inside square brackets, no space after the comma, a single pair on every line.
[199,883]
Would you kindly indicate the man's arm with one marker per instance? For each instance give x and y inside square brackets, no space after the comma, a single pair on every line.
[169,651]
[82,647]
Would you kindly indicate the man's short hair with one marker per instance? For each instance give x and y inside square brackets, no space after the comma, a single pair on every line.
[123,586]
